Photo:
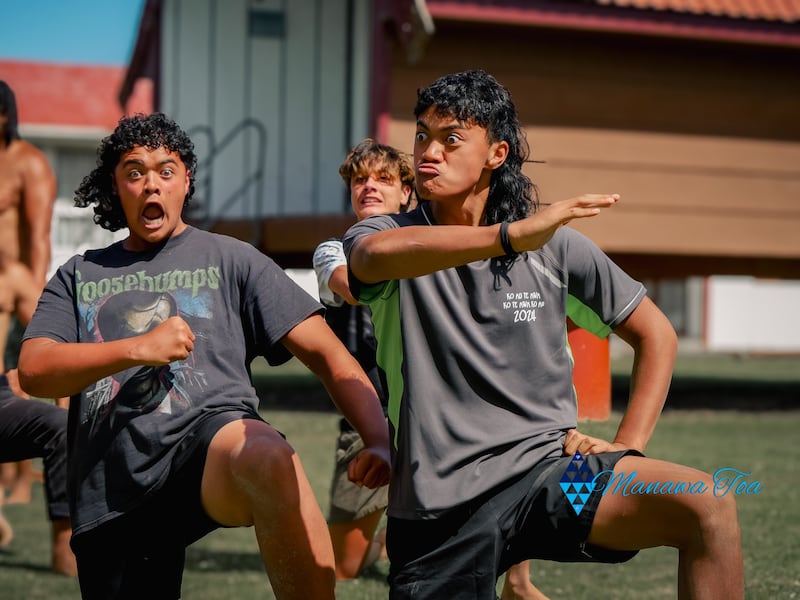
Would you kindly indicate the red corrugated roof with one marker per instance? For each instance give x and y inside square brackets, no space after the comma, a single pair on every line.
[787,11]
[771,22]
[70,95]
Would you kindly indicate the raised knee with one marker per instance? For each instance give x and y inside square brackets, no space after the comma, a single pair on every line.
[725,516]
[718,520]
[264,460]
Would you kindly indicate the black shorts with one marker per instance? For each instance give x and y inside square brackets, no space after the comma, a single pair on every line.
[141,554]
[462,553]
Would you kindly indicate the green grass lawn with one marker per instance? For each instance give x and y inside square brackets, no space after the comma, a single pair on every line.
[763,442]
[226,565]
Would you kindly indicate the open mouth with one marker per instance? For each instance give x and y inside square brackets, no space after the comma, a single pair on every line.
[153,216]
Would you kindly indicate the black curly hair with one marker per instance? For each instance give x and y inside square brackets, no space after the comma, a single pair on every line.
[150,131]
[8,107]
[477,98]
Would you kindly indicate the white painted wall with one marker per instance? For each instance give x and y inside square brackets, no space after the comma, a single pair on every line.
[297,91]
[745,314]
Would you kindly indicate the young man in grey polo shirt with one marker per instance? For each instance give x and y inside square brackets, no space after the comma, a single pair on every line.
[469,294]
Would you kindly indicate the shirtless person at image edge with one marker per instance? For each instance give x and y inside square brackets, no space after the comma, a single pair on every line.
[27,197]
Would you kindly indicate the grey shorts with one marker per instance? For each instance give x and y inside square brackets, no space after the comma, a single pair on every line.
[349,502]
[462,553]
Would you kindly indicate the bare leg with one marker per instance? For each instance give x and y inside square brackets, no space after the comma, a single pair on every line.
[24,476]
[253,477]
[355,545]
[18,477]
[6,531]
[8,474]
[64,562]
[703,527]
[518,585]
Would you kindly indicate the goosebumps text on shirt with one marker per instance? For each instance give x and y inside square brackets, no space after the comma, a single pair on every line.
[163,282]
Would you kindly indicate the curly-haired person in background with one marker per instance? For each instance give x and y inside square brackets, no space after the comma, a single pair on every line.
[380,181]
[167,443]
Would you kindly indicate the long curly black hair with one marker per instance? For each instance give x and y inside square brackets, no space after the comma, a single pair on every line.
[149,131]
[477,98]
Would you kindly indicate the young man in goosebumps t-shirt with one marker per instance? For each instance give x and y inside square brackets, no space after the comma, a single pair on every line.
[153,337]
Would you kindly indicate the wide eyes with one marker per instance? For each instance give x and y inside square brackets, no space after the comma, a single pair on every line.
[449,140]
[381,177]
[165,173]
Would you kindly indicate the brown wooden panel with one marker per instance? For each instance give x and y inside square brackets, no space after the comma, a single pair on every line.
[584,79]
[290,240]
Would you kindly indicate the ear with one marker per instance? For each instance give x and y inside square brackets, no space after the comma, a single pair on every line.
[406,195]
[498,151]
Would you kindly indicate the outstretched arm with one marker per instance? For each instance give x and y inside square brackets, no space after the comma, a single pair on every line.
[51,369]
[313,342]
[652,337]
[415,251]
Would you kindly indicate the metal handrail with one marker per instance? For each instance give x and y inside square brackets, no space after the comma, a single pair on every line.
[210,217]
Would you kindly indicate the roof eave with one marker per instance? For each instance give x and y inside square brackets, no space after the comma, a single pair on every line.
[628,21]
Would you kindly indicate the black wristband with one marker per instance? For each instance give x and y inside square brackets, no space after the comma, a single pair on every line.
[504,241]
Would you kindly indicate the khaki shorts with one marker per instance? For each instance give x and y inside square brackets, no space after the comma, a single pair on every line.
[349,502]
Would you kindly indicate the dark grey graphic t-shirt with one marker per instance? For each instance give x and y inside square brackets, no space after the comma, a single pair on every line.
[126,428]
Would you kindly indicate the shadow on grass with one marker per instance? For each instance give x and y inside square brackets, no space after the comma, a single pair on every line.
[687,392]
[7,561]
[305,392]
[218,561]
[376,572]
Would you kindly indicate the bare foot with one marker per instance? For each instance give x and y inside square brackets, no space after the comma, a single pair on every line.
[518,586]
[23,476]
[530,592]
[6,531]
[65,564]
[380,537]
[20,492]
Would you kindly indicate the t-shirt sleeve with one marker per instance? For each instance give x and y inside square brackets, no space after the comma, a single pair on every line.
[273,305]
[363,292]
[600,294]
[55,316]
[328,257]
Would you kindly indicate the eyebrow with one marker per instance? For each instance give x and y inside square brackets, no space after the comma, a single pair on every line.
[136,161]
[457,125]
